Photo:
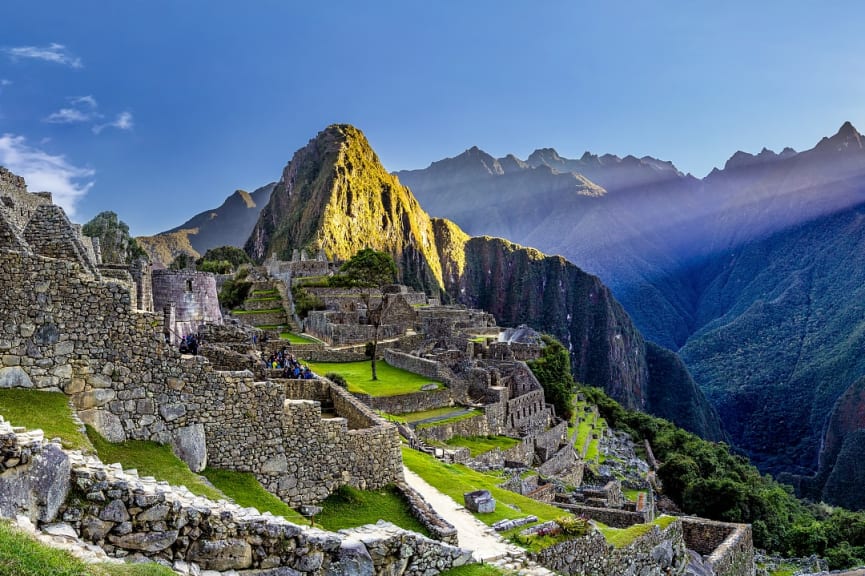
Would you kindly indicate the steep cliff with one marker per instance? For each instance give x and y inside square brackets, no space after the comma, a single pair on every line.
[335,195]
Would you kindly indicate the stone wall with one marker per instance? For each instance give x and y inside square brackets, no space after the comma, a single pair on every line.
[727,548]
[656,553]
[528,413]
[414,364]
[61,330]
[548,442]
[438,527]
[472,426]
[50,233]
[336,329]
[134,517]
[564,464]
[613,517]
[16,204]
[405,403]
[193,295]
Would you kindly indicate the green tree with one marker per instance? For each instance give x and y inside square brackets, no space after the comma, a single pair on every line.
[116,245]
[218,259]
[553,371]
[370,270]
[181,262]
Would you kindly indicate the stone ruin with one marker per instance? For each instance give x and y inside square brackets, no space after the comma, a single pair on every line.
[66,326]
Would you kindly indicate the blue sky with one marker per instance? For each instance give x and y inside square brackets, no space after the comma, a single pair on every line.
[160,109]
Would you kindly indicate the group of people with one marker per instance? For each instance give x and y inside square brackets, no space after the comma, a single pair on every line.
[289,365]
[189,344]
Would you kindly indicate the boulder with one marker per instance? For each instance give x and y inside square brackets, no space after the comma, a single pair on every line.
[145,541]
[37,489]
[105,423]
[190,446]
[353,560]
[14,377]
[221,555]
[480,501]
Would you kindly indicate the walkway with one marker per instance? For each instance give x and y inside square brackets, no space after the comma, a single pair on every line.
[486,545]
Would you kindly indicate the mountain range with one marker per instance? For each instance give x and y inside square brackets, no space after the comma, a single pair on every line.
[752,274]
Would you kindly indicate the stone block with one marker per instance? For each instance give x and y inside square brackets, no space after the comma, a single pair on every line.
[14,377]
[36,490]
[480,501]
[189,445]
[145,541]
[105,423]
[353,559]
[94,398]
[221,555]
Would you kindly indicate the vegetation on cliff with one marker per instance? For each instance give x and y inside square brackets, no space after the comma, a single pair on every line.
[115,243]
[707,479]
[553,371]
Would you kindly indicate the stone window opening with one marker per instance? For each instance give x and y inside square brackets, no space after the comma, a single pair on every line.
[189,285]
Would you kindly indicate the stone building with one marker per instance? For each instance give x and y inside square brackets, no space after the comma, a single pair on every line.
[193,297]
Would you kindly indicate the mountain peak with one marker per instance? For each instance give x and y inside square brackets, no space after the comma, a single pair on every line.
[847,138]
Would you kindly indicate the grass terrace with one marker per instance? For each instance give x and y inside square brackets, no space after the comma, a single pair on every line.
[349,507]
[247,312]
[152,459]
[22,555]
[478,445]
[49,411]
[391,381]
[298,338]
[264,293]
[621,537]
[473,570]
[246,491]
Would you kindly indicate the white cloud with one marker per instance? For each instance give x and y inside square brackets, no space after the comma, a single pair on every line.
[88,101]
[124,121]
[67,116]
[5,82]
[44,171]
[83,109]
[54,52]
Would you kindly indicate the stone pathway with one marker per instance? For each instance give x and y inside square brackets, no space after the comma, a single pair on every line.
[486,545]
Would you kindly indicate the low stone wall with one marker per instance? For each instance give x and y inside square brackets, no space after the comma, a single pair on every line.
[414,364]
[405,403]
[548,442]
[439,528]
[223,358]
[563,464]
[473,426]
[613,517]
[729,548]
[657,553]
[126,515]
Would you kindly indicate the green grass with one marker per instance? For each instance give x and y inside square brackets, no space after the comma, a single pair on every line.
[445,421]
[455,480]
[349,507]
[263,299]
[264,293]
[786,570]
[621,537]
[632,495]
[297,338]
[268,311]
[473,570]
[391,381]
[21,555]
[479,444]
[422,415]
[49,411]
[246,491]
[152,459]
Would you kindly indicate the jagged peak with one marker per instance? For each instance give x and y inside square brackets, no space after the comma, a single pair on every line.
[847,138]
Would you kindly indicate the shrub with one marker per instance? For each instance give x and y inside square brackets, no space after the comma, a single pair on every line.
[235,290]
[337,379]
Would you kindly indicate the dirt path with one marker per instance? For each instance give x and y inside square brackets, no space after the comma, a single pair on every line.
[472,533]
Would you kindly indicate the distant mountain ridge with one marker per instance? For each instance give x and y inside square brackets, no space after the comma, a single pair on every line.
[228,225]
[335,196]
[753,272]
